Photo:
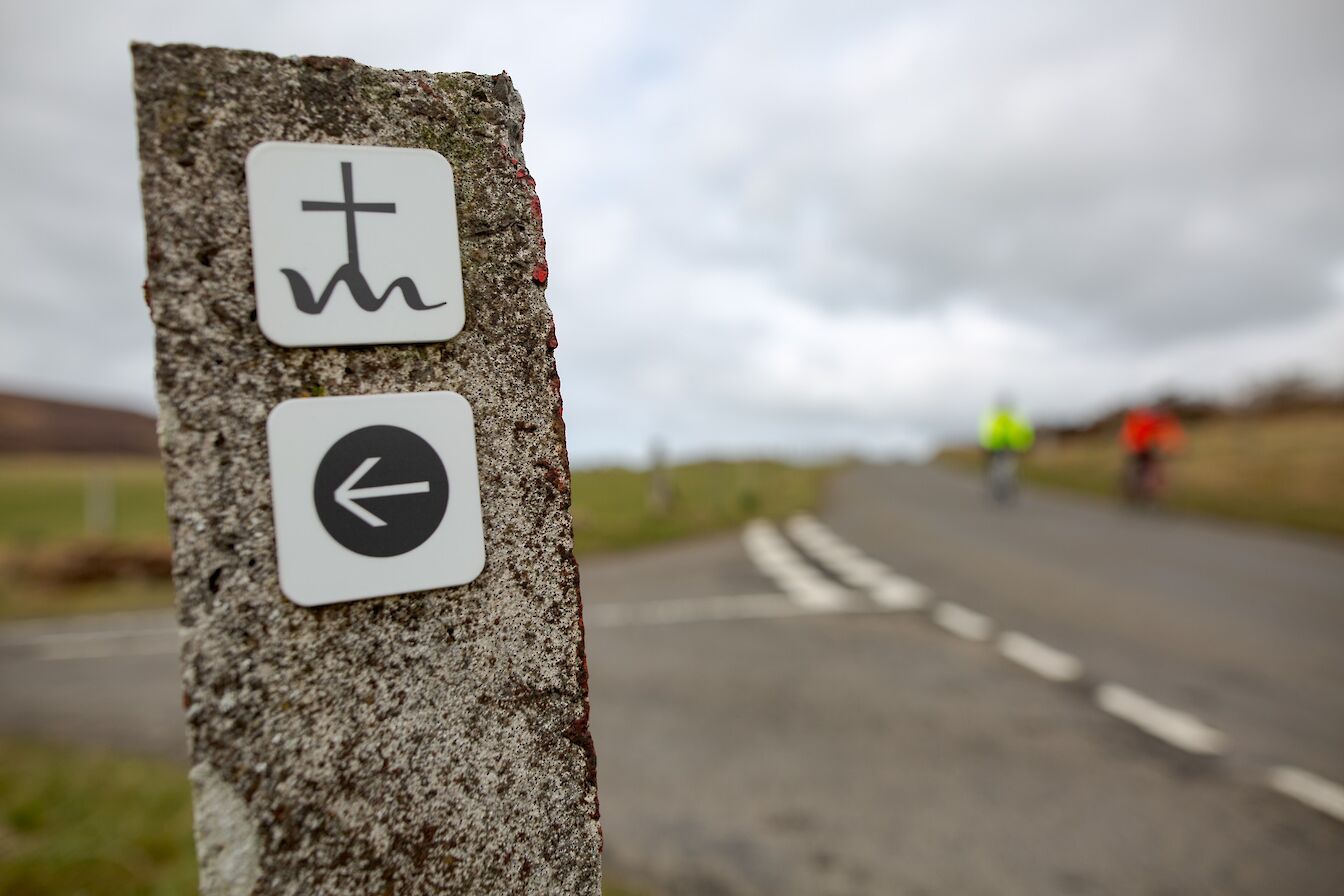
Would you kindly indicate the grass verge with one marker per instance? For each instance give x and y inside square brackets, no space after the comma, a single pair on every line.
[47,551]
[43,498]
[23,598]
[614,509]
[88,823]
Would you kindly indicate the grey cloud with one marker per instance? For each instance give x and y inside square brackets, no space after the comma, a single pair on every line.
[1125,180]
[1152,172]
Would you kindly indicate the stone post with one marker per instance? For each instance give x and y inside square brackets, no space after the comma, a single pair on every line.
[434,742]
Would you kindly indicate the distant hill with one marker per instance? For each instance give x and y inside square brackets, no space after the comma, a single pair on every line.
[1286,395]
[40,425]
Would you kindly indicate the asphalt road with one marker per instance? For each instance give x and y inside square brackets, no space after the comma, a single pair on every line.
[1242,628]
[762,728]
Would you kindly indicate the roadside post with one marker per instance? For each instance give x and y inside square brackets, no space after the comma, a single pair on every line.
[360,420]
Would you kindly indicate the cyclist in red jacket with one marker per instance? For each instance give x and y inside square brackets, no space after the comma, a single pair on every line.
[1148,435]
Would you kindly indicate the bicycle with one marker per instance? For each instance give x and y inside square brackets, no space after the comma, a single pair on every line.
[1143,479]
[1001,476]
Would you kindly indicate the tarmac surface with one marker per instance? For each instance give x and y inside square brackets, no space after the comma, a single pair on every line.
[1056,697]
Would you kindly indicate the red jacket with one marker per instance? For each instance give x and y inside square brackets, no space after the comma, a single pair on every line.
[1149,430]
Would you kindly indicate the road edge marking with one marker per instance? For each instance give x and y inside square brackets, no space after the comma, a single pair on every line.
[856,569]
[81,637]
[92,651]
[1175,727]
[689,609]
[962,621]
[1040,658]
[778,561]
[1312,790]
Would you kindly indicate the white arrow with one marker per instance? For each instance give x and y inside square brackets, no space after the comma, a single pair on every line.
[347,494]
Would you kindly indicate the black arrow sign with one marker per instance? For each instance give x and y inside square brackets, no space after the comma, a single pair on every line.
[381,491]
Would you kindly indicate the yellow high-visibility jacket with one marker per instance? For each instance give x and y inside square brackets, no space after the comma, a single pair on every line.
[1002,430]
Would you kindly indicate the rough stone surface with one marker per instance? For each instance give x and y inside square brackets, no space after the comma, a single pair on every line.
[428,743]
[230,845]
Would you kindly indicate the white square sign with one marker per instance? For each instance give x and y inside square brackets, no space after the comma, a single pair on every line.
[354,245]
[374,495]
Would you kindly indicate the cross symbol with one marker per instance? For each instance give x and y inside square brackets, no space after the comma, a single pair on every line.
[350,207]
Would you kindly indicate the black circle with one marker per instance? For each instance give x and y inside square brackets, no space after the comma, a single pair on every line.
[399,458]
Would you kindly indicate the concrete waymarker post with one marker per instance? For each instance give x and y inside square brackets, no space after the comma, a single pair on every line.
[385,684]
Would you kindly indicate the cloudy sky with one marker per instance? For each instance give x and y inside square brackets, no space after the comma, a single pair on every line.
[785,228]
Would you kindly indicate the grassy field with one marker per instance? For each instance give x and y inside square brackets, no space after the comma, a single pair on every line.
[42,498]
[45,540]
[76,822]
[84,823]
[1285,469]
[613,510]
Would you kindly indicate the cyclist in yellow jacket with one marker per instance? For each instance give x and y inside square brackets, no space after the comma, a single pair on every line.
[1004,435]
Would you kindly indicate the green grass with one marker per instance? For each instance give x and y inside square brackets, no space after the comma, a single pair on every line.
[42,515]
[76,822]
[86,823]
[613,510]
[1285,469]
[42,520]
[42,498]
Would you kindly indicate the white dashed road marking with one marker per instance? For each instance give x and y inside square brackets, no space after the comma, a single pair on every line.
[1177,728]
[114,647]
[1318,793]
[854,568]
[692,609]
[778,560]
[76,637]
[80,644]
[800,580]
[962,622]
[1042,659]
[807,592]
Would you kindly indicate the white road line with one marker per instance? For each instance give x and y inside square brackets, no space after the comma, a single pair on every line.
[678,610]
[76,642]
[16,630]
[854,568]
[691,609]
[797,578]
[1180,729]
[40,639]
[1042,659]
[106,650]
[963,622]
[1318,793]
